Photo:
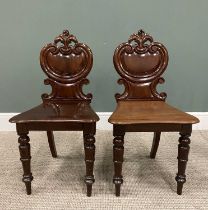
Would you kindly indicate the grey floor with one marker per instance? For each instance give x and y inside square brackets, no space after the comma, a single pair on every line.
[148,184]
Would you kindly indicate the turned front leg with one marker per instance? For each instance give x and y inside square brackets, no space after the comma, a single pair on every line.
[183,151]
[89,146]
[118,151]
[24,148]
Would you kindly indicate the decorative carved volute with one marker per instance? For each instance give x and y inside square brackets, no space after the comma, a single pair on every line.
[67,63]
[140,62]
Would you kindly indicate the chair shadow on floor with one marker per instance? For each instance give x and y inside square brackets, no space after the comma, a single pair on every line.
[141,162]
[104,170]
[68,168]
[153,168]
[140,169]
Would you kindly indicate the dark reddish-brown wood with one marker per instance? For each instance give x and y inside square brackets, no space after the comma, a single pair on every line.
[66,62]
[140,62]
[52,143]
[155,144]
[24,148]
[118,151]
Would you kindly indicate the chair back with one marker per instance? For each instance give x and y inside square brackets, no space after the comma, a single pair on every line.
[66,62]
[140,62]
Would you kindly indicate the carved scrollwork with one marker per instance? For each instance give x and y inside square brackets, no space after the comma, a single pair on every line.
[153,87]
[140,38]
[66,62]
[140,62]
[80,93]
[71,92]
[65,38]
[122,81]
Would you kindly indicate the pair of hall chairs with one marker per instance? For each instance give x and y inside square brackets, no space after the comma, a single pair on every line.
[140,62]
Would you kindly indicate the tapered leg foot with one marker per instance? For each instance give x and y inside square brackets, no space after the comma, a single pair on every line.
[89,190]
[89,147]
[24,148]
[179,188]
[183,151]
[155,144]
[118,151]
[51,143]
[28,187]
[118,188]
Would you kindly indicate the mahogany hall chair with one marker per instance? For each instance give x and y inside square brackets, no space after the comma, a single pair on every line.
[140,62]
[66,62]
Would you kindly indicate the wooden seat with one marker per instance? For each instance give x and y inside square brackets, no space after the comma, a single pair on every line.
[66,62]
[54,112]
[144,112]
[140,108]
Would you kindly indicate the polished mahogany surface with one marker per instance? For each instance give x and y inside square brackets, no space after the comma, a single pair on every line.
[58,112]
[139,112]
[140,108]
[66,63]
[140,62]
